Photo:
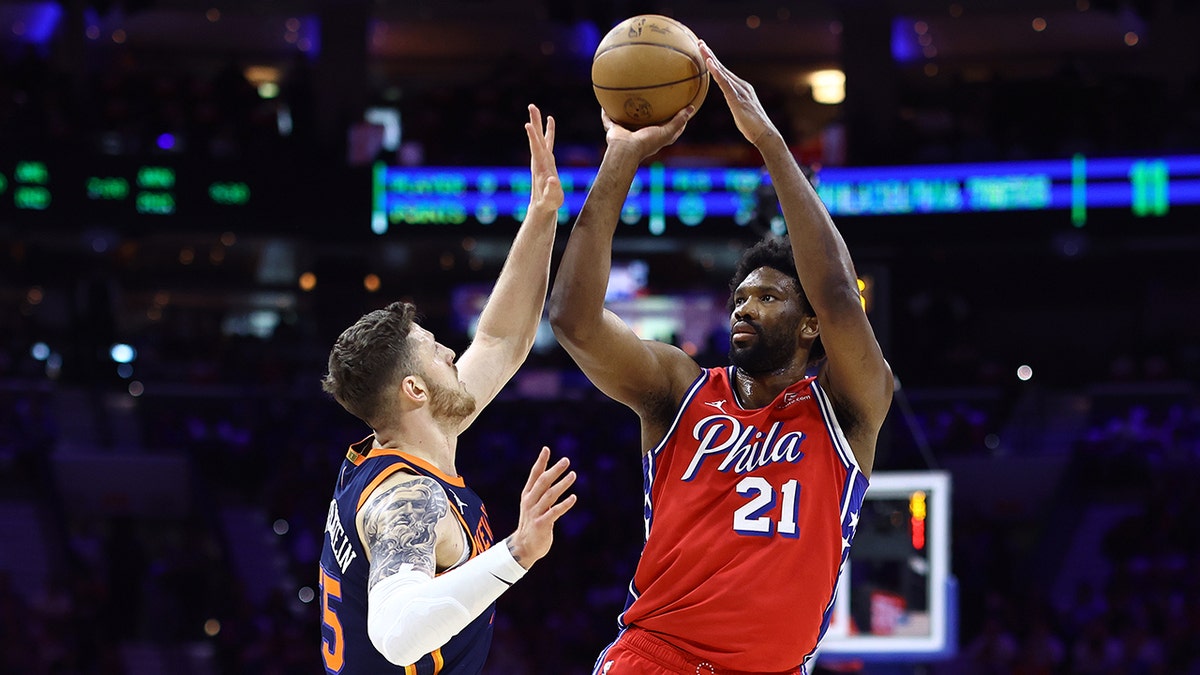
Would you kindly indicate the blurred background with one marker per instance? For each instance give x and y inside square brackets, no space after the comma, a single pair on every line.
[192,208]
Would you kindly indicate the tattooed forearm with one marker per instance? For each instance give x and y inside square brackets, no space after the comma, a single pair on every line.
[399,527]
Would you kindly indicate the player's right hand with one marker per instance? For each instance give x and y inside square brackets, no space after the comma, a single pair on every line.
[646,141]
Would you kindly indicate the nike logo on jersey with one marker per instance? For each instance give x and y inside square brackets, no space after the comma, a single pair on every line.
[719,405]
[506,583]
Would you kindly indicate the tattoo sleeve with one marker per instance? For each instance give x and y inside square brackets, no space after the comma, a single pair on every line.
[399,527]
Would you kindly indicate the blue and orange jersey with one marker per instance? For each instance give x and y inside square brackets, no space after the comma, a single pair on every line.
[749,517]
[346,648]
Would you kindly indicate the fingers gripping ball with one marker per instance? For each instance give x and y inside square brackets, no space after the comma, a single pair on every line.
[646,69]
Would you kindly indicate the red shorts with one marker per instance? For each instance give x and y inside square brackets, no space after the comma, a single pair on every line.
[639,652]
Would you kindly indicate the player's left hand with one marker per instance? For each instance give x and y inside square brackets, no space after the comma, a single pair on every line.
[546,193]
[541,508]
[748,112]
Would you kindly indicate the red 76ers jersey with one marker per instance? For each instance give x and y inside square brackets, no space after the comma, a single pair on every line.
[749,518]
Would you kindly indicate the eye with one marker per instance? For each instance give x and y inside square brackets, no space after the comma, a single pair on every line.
[767,297]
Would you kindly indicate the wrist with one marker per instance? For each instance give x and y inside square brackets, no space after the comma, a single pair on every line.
[769,139]
[519,554]
[624,153]
[539,208]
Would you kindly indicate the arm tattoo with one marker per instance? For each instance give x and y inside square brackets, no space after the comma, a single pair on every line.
[399,527]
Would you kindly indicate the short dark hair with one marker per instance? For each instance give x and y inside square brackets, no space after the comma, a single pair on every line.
[773,252]
[776,253]
[368,356]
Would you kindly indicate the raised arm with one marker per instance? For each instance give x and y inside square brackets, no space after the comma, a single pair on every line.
[510,318]
[855,373]
[410,611]
[635,372]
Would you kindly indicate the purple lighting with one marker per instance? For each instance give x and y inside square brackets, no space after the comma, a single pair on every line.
[905,48]
[38,20]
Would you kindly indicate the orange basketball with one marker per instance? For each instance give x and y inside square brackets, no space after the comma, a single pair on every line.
[646,69]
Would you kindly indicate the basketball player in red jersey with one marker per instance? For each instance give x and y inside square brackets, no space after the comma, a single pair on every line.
[409,573]
[755,472]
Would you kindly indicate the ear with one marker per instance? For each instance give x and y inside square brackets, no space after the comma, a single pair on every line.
[810,328]
[413,391]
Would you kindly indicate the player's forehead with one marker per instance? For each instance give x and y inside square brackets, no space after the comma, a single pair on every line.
[421,336]
[766,278]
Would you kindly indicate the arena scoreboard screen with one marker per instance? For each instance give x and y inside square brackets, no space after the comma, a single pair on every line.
[173,192]
[670,200]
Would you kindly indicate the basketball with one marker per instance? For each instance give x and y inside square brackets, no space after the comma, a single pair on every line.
[646,69]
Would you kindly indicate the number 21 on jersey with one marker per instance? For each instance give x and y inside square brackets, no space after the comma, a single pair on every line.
[754,518]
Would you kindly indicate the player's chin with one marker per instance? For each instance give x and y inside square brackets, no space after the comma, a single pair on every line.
[739,355]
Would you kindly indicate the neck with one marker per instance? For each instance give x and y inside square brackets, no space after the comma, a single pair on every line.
[427,441]
[758,390]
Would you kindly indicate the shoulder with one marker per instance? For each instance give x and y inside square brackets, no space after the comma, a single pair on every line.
[403,495]
[859,418]
[861,409]
[677,372]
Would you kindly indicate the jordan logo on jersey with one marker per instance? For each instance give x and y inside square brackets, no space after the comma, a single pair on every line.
[462,506]
[745,448]
[719,405]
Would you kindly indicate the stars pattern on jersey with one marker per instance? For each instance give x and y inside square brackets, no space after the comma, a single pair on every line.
[848,530]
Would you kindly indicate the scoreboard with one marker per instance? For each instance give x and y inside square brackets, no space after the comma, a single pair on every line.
[34,185]
[171,192]
[668,200]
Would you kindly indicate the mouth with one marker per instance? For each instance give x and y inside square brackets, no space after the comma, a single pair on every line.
[742,332]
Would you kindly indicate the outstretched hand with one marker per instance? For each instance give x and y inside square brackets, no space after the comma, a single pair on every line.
[541,508]
[546,193]
[647,140]
[748,112]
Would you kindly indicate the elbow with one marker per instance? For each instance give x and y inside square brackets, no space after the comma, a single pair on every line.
[836,298]
[560,319]
[568,328]
[405,623]
[574,317]
[394,647]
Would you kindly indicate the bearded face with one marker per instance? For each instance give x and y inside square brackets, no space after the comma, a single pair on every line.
[772,347]
[449,404]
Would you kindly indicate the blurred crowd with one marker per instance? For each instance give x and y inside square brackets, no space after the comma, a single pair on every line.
[140,591]
[123,102]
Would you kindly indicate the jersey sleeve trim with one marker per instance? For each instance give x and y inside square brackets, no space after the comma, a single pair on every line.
[836,436]
[456,481]
[699,382]
[362,450]
[383,475]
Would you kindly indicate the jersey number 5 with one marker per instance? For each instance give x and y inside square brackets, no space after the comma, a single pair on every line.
[753,519]
[332,642]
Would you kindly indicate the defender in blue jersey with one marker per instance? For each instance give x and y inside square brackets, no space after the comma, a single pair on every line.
[409,573]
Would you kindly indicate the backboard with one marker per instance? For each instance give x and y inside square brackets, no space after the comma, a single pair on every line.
[897,600]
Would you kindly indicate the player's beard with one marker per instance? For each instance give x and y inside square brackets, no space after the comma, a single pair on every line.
[771,350]
[450,404]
